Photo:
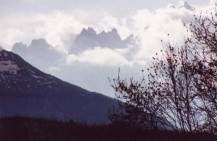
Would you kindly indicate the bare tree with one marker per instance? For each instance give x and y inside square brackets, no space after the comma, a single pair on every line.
[180,85]
[167,92]
[204,36]
[173,81]
[141,108]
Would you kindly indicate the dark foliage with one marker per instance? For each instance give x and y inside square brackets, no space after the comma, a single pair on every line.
[27,129]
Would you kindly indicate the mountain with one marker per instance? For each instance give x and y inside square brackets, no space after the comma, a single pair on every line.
[26,91]
[182,5]
[88,39]
[186,5]
[46,54]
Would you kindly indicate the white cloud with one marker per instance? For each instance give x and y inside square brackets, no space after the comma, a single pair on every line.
[55,27]
[99,56]
[162,22]
[213,2]
[91,68]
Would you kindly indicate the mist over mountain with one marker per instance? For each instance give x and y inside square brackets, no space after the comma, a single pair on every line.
[39,52]
[26,91]
[64,63]
[45,57]
[110,42]
[185,5]
[89,39]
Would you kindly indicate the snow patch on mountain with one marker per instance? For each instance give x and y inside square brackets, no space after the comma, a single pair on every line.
[33,93]
[8,66]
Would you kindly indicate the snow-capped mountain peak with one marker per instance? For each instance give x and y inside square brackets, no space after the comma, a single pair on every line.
[6,63]
[8,66]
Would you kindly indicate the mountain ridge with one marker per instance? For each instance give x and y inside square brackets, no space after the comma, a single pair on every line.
[89,39]
[32,93]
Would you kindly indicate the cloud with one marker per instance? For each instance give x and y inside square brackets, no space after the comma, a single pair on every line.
[162,22]
[55,27]
[213,2]
[58,27]
[94,77]
[99,56]
[91,68]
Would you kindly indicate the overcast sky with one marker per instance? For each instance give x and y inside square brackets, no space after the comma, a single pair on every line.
[57,21]
[114,6]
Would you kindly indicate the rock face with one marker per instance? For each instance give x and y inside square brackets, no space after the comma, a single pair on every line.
[88,39]
[26,91]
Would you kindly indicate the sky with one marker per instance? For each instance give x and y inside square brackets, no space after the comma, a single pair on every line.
[89,4]
[117,7]
[58,21]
